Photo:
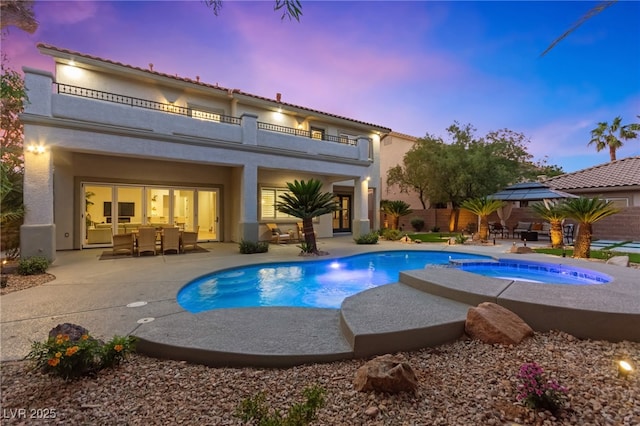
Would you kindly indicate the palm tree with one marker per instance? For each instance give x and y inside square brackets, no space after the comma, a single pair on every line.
[483,207]
[611,136]
[395,210]
[586,211]
[554,214]
[306,201]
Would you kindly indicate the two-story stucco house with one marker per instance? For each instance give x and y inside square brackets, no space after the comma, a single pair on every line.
[110,146]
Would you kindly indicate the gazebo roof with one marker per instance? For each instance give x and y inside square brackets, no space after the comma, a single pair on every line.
[530,191]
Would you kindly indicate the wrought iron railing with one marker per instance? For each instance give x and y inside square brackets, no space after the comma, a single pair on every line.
[84,92]
[67,89]
[305,133]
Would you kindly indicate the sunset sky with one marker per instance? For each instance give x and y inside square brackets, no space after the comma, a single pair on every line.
[415,67]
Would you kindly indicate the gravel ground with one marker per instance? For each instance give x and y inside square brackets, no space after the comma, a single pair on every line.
[462,383]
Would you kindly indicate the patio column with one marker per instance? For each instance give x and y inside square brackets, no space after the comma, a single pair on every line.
[248,200]
[361,223]
[37,234]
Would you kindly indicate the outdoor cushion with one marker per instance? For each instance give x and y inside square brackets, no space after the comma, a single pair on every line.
[276,231]
[536,227]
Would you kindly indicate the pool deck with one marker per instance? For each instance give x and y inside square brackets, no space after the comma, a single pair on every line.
[426,308]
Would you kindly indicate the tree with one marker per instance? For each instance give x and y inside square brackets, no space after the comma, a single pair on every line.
[11,141]
[483,207]
[586,211]
[467,167]
[590,14]
[395,209]
[554,214]
[611,136]
[289,8]
[18,13]
[306,201]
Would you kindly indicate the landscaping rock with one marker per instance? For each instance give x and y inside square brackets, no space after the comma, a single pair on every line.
[386,373]
[491,323]
[74,331]
[619,260]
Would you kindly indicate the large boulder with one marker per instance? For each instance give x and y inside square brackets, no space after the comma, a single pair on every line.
[386,373]
[493,323]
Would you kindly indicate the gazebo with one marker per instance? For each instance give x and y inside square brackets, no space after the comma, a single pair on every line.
[527,191]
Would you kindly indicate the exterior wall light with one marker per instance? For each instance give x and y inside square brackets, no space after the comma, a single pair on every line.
[36,149]
[624,369]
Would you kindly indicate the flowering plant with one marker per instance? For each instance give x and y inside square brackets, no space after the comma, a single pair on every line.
[69,358]
[536,392]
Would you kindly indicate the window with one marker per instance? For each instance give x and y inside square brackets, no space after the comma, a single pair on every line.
[619,202]
[268,199]
[348,139]
[205,115]
[317,133]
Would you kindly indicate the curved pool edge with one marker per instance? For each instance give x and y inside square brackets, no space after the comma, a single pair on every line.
[262,337]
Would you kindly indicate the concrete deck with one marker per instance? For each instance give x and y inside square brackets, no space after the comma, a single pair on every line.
[419,311]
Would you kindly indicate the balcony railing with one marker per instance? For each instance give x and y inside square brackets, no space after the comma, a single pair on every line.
[67,89]
[141,103]
[305,133]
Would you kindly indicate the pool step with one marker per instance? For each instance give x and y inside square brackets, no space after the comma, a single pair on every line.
[397,317]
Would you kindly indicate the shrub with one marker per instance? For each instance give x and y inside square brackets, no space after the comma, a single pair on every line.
[370,238]
[305,248]
[69,359]
[300,414]
[249,247]
[417,223]
[392,234]
[537,392]
[435,229]
[33,265]
[461,239]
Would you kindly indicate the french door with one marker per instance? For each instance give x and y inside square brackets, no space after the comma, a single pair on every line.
[342,216]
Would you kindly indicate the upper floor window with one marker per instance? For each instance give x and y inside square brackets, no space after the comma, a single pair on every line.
[348,138]
[268,199]
[317,133]
[202,114]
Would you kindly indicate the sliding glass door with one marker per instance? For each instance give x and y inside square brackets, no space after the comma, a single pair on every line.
[113,209]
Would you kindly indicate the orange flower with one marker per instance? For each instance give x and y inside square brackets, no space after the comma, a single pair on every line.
[118,348]
[58,355]
[59,337]
[72,350]
[85,337]
[59,341]
[53,362]
[66,337]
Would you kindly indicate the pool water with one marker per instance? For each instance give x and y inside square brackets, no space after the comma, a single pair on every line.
[326,283]
[318,284]
[537,272]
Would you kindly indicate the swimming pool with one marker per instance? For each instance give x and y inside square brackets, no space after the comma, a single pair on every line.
[326,283]
[317,283]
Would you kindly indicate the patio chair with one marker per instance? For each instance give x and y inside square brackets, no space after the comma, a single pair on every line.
[568,232]
[496,229]
[146,240]
[277,236]
[123,244]
[520,228]
[170,240]
[190,240]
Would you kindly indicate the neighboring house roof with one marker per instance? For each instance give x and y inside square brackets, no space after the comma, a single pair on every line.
[618,174]
[56,51]
[403,135]
[529,191]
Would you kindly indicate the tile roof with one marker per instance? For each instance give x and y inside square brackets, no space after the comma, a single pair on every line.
[530,191]
[615,174]
[51,48]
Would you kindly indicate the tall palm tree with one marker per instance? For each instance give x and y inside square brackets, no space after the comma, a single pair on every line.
[611,136]
[554,214]
[586,211]
[306,201]
[483,207]
[396,209]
